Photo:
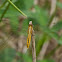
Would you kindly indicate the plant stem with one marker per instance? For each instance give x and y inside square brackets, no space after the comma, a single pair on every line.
[17,8]
[33,47]
[40,44]
[3,4]
[4,12]
[51,18]
[33,44]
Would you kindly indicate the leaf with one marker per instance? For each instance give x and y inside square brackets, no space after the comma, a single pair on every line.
[40,43]
[24,4]
[41,16]
[53,35]
[50,32]
[57,26]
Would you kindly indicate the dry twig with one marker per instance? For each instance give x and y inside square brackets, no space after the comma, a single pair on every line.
[33,47]
[33,44]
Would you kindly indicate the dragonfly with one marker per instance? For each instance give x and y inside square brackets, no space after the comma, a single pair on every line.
[30,28]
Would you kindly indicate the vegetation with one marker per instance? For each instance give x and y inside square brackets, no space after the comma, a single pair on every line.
[14,21]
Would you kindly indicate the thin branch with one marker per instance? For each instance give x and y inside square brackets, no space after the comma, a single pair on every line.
[33,44]
[17,8]
[33,47]
[4,12]
[3,4]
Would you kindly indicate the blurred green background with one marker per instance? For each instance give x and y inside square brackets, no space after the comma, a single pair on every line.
[14,30]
